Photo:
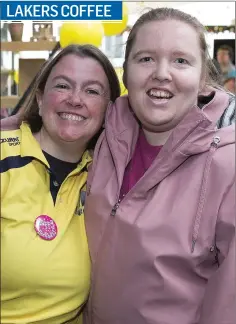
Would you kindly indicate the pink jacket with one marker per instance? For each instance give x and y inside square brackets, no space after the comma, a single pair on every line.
[166,253]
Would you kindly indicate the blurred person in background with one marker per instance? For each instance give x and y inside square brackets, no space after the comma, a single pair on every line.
[229,82]
[224,57]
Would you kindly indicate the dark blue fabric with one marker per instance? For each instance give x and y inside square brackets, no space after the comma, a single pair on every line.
[14,162]
[54,189]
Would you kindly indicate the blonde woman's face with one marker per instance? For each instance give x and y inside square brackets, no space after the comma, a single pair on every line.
[164,73]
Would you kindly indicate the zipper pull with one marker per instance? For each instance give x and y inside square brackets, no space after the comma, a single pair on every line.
[114,209]
[215,142]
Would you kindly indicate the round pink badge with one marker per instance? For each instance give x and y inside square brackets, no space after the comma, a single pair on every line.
[45,227]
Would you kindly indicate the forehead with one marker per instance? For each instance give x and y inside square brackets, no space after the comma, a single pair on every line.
[230,81]
[167,34]
[77,67]
[223,52]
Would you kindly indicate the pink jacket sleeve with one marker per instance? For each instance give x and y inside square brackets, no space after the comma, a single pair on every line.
[10,123]
[219,306]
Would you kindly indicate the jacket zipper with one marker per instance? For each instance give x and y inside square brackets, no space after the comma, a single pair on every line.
[213,148]
[216,140]
[117,204]
[114,209]
[90,303]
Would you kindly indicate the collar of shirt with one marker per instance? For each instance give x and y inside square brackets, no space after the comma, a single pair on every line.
[30,147]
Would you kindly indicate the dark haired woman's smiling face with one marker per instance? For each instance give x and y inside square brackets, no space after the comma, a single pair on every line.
[75,99]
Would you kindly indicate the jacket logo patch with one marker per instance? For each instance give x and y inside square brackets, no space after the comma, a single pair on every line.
[80,207]
[12,141]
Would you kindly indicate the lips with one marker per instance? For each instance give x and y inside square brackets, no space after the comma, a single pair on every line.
[71,116]
[156,93]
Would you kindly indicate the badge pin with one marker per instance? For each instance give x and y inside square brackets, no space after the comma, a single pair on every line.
[45,227]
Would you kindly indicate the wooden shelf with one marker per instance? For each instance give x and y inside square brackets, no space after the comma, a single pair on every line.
[28,46]
[9,102]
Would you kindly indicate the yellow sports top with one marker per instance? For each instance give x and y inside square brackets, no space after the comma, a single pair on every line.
[42,282]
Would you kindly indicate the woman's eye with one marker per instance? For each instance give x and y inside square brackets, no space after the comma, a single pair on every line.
[181,61]
[146,59]
[93,92]
[62,86]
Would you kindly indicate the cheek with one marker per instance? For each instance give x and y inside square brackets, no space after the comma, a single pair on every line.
[189,83]
[137,77]
[51,100]
[98,111]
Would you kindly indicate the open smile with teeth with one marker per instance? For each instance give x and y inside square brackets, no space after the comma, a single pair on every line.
[159,94]
[69,116]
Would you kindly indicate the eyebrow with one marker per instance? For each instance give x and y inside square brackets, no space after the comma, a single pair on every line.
[86,83]
[61,76]
[141,52]
[181,53]
[175,52]
[91,81]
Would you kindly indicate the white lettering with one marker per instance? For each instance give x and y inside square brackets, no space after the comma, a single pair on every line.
[63,10]
[90,9]
[8,12]
[107,11]
[27,11]
[19,11]
[74,11]
[99,8]
[81,9]
[45,9]
[37,11]
[54,9]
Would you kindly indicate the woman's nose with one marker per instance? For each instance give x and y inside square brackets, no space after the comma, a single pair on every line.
[162,72]
[76,98]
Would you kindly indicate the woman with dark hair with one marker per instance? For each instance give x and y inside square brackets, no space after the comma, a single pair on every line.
[45,153]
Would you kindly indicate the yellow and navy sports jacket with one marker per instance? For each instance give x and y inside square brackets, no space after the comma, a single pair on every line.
[41,281]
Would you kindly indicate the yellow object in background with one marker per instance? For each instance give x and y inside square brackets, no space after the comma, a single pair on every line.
[15,76]
[115,28]
[123,89]
[81,33]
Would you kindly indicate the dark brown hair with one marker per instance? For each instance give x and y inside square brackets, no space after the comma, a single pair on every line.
[161,14]
[30,110]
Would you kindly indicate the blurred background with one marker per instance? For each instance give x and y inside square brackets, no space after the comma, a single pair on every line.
[25,46]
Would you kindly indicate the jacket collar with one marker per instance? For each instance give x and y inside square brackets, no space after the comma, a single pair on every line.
[30,147]
[193,135]
[198,126]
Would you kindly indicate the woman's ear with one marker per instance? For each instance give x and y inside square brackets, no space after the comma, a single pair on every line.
[39,101]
